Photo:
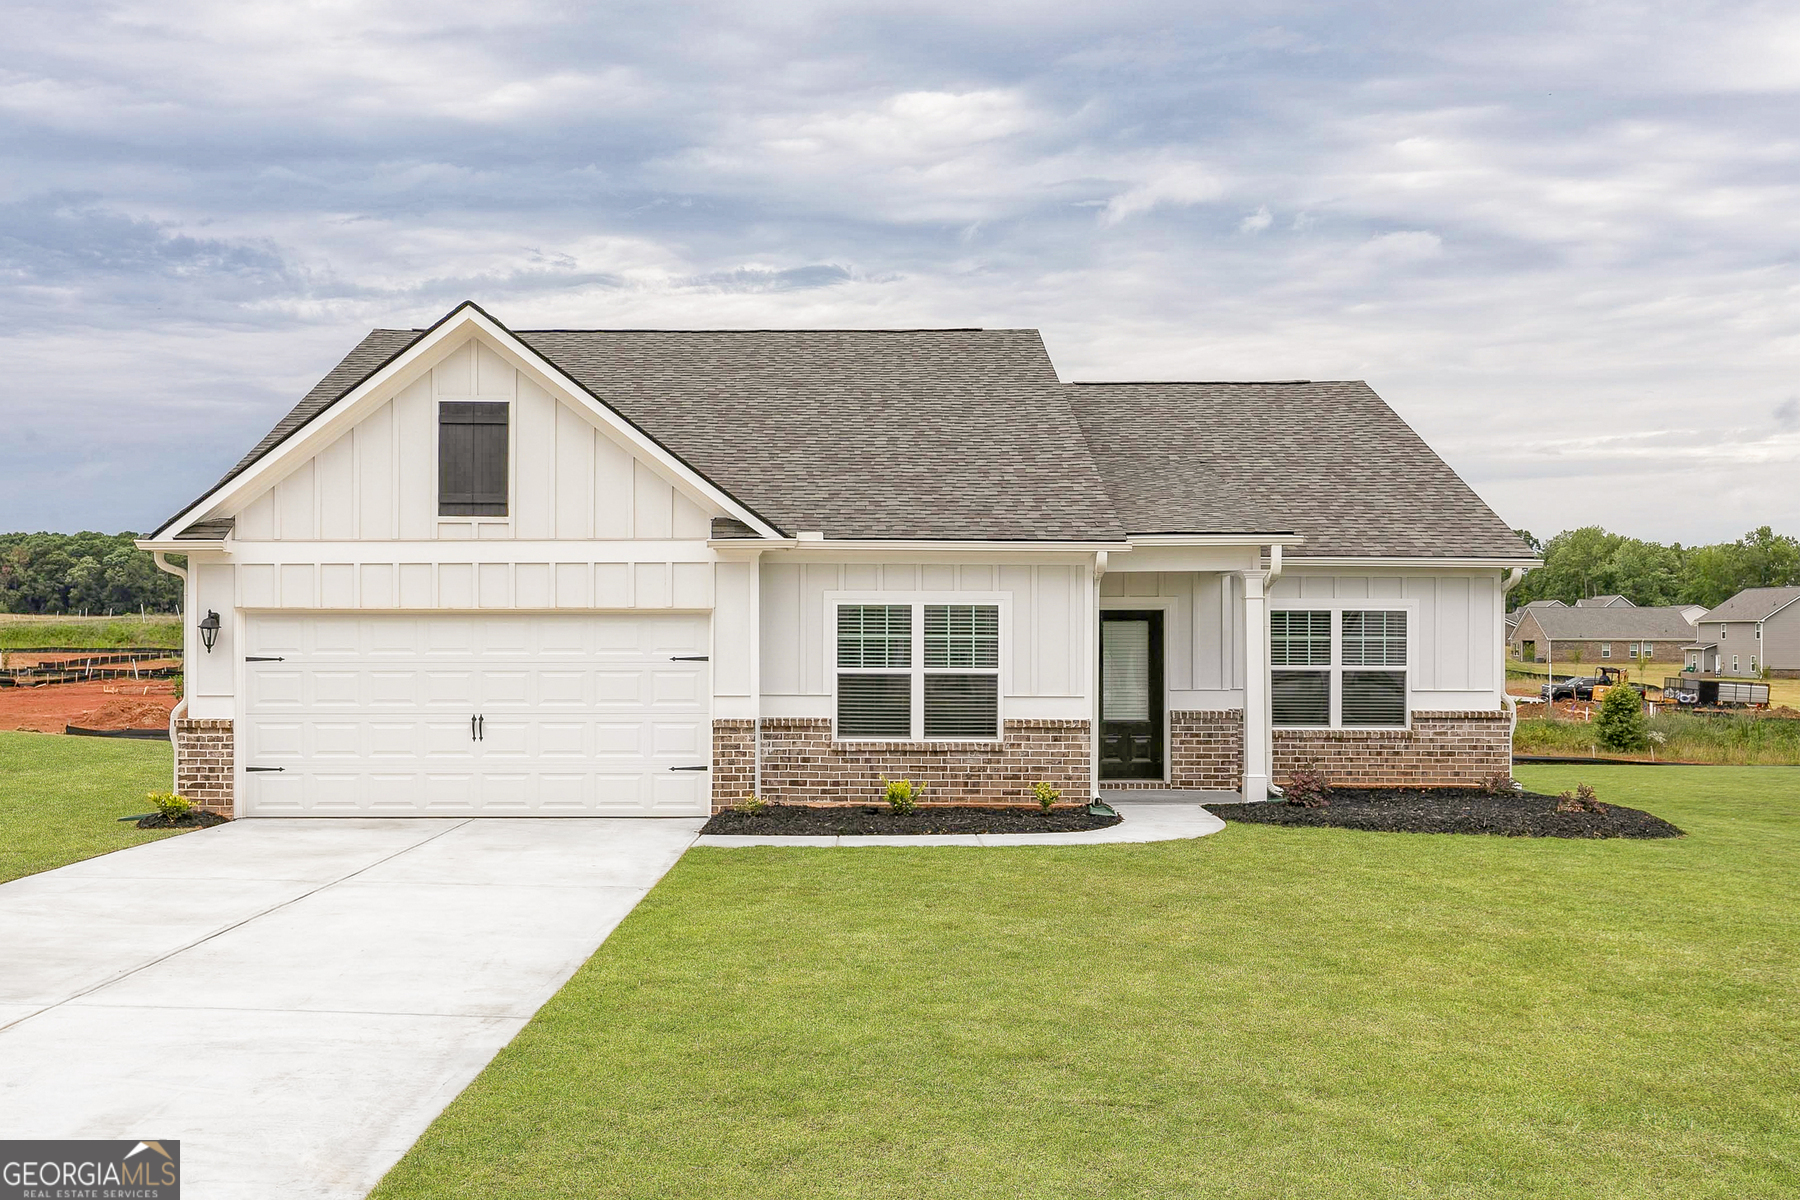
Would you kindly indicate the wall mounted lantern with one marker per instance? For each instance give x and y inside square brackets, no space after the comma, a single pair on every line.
[209,630]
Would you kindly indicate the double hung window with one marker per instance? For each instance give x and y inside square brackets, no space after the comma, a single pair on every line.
[1338,668]
[918,671]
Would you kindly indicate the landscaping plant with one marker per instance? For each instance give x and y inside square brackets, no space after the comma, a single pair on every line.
[1582,799]
[750,805]
[1500,783]
[901,794]
[1620,723]
[1307,787]
[1047,796]
[169,806]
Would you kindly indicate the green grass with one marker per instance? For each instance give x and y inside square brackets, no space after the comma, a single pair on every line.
[1267,1012]
[1729,738]
[59,797]
[91,633]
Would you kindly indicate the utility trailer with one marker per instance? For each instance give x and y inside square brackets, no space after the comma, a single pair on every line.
[1693,691]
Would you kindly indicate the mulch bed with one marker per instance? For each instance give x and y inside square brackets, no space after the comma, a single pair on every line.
[194,819]
[1452,810]
[799,820]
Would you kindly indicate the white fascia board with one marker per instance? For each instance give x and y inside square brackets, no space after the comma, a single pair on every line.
[911,550]
[171,546]
[406,367]
[472,550]
[1294,563]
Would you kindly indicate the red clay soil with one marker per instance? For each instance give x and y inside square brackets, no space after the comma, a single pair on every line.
[100,704]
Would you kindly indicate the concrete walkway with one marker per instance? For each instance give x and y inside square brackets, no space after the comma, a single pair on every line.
[1161,819]
[297,1000]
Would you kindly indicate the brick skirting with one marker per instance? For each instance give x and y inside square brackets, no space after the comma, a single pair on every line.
[1206,751]
[203,753]
[1442,749]
[802,765]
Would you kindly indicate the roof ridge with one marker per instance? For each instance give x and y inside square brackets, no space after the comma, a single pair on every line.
[798,329]
[1205,382]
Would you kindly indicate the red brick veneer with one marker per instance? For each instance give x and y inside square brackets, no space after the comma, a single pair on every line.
[1442,749]
[733,762]
[203,774]
[802,765]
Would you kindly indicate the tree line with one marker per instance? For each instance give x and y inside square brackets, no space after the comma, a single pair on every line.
[1592,562]
[100,574]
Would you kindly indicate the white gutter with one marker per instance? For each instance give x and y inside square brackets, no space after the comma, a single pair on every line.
[176,713]
[1273,574]
[1512,706]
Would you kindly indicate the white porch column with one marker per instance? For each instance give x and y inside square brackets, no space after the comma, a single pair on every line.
[1256,687]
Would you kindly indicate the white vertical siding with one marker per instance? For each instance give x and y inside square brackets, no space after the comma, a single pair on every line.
[378,482]
[1203,631]
[1046,639]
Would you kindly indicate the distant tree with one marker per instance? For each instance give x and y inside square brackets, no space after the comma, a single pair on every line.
[1620,722]
[97,573]
[1590,561]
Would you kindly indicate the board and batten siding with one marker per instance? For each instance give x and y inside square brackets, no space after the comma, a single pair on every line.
[1047,642]
[378,482]
[1203,631]
[1458,638]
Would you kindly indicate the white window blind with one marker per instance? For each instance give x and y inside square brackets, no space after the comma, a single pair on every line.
[1125,677]
[907,671]
[1338,669]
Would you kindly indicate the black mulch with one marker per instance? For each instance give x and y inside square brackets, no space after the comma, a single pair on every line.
[193,819]
[1453,810]
[799,820]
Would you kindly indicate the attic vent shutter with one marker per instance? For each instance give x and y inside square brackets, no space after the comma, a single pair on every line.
[472,458]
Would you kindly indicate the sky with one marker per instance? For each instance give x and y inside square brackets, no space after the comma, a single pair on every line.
[1562,240]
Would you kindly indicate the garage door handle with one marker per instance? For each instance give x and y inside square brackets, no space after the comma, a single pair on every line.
[690,768]
[261,658]
[265,768]
[689,658]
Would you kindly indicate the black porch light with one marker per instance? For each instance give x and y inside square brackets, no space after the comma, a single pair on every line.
[209,629]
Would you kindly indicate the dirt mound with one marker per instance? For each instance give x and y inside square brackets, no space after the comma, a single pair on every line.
[126,712]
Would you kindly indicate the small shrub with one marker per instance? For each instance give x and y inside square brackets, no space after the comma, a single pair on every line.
[1047,796]
[1620,723]
[1307,787]
[901,794]
[750,805]
[169,805]
[1500,783]
[1582,799]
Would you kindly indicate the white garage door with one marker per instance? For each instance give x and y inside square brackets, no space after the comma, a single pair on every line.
[475,715]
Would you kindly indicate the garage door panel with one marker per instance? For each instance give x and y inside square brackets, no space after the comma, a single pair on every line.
[582,714]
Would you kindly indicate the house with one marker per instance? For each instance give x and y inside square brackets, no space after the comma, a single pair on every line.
[1608,601]
[1755,631]
[485,572]
[1591,634]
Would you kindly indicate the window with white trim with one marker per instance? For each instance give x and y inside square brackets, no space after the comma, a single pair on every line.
[1605,649]
[918,672]
[1338,669]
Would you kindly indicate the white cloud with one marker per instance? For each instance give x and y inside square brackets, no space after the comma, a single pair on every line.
[1178,184]
[1257,221]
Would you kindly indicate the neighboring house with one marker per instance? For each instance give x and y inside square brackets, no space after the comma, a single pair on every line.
[1756,630]
[1598,635]
[480,572]
[1611,601]
[1513,617]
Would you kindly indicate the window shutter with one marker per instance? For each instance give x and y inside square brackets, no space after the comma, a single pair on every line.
[472,442]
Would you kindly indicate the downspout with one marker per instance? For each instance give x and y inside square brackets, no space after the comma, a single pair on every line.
[1094,678]
[1512,707]
[180,709]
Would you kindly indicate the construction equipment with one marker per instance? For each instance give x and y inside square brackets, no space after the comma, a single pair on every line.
[1691,691]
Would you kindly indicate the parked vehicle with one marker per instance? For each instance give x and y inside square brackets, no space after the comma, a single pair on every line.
[1588,687]
[1699,692]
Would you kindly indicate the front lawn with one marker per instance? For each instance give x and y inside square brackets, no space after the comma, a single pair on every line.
[1264,1012]
[59,797]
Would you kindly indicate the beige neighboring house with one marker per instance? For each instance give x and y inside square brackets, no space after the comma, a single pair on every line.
[1756,630]
[1611,601]
[1599,635]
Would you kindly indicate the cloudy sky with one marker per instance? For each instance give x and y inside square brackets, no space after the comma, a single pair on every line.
[1560,239]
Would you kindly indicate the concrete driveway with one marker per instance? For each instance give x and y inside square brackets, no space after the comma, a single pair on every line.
[297,1000]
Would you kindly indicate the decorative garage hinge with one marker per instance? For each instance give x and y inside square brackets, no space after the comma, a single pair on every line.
[265,768]
[690,658]
[262,658]
[702,768]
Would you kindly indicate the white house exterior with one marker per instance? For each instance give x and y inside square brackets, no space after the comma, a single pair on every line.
[479,572]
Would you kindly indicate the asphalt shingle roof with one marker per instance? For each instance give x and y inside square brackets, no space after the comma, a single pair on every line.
[1754,604]
[1612,624]
[968,434]
[1329,461]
